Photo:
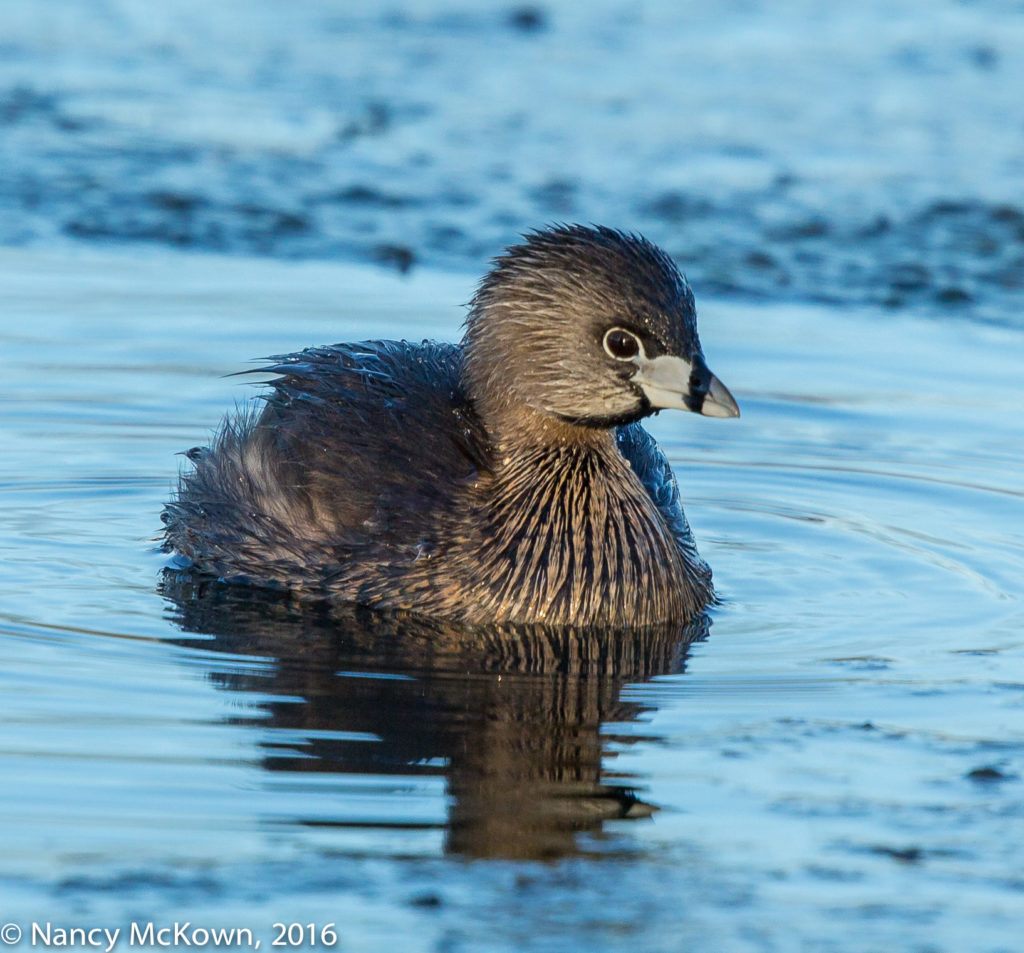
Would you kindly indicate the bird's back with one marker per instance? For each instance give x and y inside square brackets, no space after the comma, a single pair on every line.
[356,451]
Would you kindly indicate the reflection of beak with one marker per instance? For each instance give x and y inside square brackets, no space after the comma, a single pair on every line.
[671,382]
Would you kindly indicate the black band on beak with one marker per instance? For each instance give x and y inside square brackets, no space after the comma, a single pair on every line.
[700,381]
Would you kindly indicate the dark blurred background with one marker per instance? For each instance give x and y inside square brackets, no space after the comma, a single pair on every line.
[849,153]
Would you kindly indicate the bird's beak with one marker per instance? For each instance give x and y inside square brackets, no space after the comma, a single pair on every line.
[671,382]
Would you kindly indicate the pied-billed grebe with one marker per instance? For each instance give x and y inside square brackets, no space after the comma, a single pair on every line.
[503,479]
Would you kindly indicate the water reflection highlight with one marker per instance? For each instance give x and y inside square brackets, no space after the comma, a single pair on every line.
[514,718]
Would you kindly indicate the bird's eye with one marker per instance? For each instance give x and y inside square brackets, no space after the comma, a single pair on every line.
[621,344]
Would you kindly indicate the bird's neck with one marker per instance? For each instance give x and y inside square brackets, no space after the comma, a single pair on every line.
[573,536]
[519,432]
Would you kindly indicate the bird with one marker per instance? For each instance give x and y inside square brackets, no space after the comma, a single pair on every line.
[503,479]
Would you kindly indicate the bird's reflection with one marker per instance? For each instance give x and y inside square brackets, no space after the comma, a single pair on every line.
[512,716]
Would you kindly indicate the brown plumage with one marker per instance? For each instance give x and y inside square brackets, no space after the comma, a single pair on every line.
[502,479]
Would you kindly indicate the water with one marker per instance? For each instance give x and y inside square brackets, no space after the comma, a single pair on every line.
[832,762]
[851,153]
